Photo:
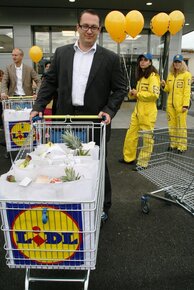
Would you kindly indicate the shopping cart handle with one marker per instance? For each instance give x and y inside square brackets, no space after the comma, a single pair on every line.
[36,118]
[44,216]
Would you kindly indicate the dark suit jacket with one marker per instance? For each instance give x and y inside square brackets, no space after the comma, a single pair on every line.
[105,90]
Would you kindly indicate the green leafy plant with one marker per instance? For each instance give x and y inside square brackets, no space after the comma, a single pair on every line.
[74,143]
[70,175]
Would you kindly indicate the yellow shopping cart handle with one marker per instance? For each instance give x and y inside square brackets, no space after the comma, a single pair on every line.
[17,98]
[64,117]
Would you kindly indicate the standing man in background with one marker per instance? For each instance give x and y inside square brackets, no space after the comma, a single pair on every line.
[89,81]
[18,77]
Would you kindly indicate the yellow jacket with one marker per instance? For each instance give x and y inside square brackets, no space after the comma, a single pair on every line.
[148,91]
[179,90]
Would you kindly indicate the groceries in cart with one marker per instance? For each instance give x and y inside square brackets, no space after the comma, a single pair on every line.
[54,163]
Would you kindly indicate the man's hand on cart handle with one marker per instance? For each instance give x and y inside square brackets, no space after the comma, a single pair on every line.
[34,114]
[4,96]
[105,117]
[34,96]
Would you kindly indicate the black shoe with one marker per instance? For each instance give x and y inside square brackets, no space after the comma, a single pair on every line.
[180,151]
[170,149]
[125,162]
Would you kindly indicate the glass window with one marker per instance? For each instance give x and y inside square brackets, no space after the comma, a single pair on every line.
[6,39]
[62,36]
[134,46]
[108,43]
[41,38]
[155,44]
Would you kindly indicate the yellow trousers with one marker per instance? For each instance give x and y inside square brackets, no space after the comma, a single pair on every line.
[177,124]
[139,123]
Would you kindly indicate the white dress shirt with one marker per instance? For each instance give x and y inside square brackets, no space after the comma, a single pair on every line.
[81,68]
[19,89]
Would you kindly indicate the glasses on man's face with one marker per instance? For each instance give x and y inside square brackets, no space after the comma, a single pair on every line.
[86,27]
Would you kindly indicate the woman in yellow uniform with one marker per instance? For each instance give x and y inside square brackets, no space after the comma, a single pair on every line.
[178,87]
[145,112]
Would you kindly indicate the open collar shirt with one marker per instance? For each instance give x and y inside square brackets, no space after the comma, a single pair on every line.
[81,68]
[19,88]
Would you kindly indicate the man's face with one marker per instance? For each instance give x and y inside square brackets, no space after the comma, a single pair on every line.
[17,56]
[88,29]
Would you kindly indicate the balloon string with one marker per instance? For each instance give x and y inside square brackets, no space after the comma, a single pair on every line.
[125,67]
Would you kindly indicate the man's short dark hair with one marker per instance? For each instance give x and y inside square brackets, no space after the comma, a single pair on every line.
[90,11]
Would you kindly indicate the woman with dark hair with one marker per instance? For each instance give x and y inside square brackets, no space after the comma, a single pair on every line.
[145,113]
[178,87]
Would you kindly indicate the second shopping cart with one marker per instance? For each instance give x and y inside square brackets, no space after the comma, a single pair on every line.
[171,170]
[16,112]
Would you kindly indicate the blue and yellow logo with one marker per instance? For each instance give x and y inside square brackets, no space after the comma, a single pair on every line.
[18,132]
[57,241]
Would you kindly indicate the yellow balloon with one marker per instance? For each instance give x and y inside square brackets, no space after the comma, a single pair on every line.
[177,21]
[35,53]
[119,38]
[159,24]
[134,23]
[115,24]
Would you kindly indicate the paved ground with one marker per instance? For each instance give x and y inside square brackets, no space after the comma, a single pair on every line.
[136,251]
[122,118]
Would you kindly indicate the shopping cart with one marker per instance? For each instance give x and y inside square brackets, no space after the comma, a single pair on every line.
[55,225]
[169,169]
[16,112]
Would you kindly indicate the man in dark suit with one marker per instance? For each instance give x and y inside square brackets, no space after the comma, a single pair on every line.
[89,81]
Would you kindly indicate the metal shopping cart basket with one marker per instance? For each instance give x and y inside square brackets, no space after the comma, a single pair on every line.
[171,170]
[55,225]
[16,112]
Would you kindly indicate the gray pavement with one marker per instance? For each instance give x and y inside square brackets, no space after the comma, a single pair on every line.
[121,120]
[136,251]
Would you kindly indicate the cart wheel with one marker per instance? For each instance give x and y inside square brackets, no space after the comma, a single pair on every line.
[145,206]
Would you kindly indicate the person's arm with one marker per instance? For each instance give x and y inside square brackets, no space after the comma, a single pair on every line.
[153,92]
[187,91]
[118,90]
[4,85]
[164,85]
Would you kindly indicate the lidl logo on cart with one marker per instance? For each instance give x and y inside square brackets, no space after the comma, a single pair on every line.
[19,131]
[53,242]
